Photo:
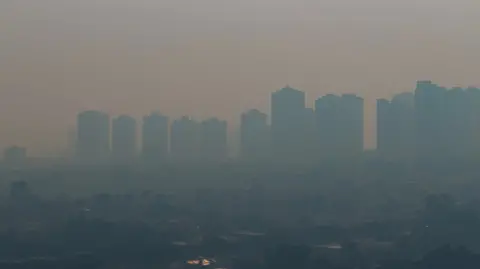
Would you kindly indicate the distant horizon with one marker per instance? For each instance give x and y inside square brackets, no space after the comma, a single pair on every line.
[216,58]
[233,126]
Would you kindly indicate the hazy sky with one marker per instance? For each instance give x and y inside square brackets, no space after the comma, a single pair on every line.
[217,57]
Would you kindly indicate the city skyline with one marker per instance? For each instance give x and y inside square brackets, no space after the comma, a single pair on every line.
[291,134]
[432,120]
[20,137]
[252,134]
[62,57]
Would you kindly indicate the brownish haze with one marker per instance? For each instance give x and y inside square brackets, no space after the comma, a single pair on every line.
[217,57]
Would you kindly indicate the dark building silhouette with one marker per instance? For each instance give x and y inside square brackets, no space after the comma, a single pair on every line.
[339,125]
[185,139]
[352,123]
[447,122]
[462,122]
[124,137]
[457,123]
[431,123]
[15,156]
[93,137]
[310,134]
[473,96]
[254,136]
[288,124]
[384,127]
[327,117]
[430,115]
[395,127]
[213,140]
[155,137]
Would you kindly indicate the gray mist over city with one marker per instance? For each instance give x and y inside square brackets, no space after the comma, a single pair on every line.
[240,134]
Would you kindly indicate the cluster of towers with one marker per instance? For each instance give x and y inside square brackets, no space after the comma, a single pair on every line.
[294,133]
[433,122]
[185,139]
[332,129]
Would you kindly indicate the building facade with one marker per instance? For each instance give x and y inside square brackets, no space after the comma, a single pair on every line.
[254,136]
[430,119]
[155,139]
[288,124]
[124,139]
[185,139]
[395,127]
[93,137]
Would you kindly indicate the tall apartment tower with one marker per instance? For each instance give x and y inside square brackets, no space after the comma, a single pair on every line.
[352,122]
[185,139]
[155,138]
[254,136]
[430,116]
[328,126]
[124,138]
[384,127]
[340,126]
[395,127]
[473,94]
[288,124]
[93,137]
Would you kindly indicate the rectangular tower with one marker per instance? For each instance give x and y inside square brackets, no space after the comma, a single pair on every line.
[155,138]
[288,124]
[254,137]
[93,137]
[124,136]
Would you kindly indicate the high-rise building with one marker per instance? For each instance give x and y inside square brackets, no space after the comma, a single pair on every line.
[430,116]
[457,123]
[254,136]
[288,124]
[384,127]
[352,124]
[155,137]
[124,137]
[185,139]
[213,142]
[447,122]
[310,134]
[339,124]
[395,128]
[474,121]
[93,137]
[328,125]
